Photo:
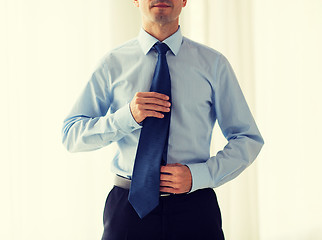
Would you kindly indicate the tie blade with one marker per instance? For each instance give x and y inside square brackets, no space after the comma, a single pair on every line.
[143,204]
[144,191]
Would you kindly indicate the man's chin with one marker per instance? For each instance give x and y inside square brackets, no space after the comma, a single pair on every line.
[161,18]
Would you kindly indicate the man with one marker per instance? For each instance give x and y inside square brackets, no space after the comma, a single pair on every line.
[125,100]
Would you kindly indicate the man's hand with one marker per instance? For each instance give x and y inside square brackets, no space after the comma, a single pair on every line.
[175,178]
[149,104]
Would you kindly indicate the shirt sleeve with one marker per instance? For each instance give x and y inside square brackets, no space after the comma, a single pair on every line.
[239,128]
[90,125]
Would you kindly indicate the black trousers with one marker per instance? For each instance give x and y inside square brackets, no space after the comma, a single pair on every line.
[184,216]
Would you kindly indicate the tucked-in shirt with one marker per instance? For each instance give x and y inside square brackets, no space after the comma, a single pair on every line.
[204,89]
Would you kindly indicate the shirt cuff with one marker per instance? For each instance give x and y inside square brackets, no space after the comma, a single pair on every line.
[200,176]
[125,120]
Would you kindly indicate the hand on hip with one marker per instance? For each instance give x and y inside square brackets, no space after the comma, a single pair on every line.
[175,178]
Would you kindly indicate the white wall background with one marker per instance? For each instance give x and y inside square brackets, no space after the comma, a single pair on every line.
[288,95]
[48,50]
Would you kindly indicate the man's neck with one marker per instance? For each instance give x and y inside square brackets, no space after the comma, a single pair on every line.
[160,31]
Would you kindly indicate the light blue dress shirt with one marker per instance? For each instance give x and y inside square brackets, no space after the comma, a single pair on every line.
[204,89]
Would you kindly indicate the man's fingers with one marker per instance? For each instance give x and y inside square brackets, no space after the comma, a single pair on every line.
[149,104]
[167,184]
[150,107]
[170,168]
[152,101]
[152,95]
[166,177]
[175,178]
[154,114]
[172,185]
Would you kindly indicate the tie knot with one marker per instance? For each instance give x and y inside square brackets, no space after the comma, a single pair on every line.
[161,48]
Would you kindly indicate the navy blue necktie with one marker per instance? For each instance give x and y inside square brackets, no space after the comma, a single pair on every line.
[153,144]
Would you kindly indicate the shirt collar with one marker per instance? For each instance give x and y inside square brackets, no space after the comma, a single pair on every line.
[147,41]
